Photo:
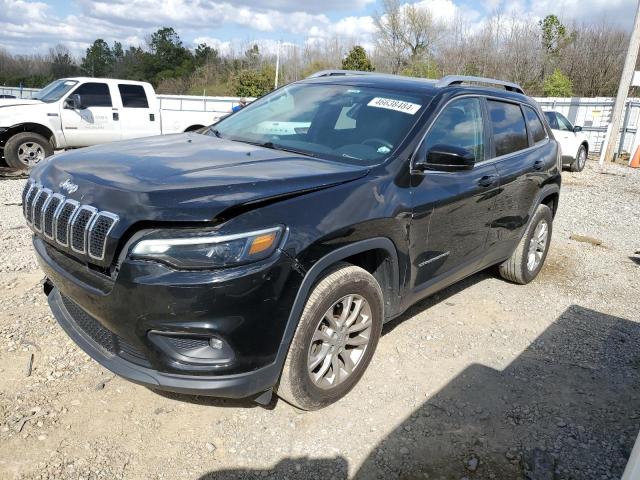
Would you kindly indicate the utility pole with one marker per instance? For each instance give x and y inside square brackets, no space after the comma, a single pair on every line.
[623,89]
[277,64]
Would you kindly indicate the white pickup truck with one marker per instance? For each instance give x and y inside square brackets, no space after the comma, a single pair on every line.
[79,112]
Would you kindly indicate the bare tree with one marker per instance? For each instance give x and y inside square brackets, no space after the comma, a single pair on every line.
[390,36]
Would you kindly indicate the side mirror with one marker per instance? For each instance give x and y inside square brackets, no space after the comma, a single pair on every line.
[73,102]
[577,129]
[447,158]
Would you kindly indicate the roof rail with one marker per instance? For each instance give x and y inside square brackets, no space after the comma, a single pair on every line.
[338,73]
[460,79]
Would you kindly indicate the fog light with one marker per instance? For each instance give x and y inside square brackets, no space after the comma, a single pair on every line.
[215,343]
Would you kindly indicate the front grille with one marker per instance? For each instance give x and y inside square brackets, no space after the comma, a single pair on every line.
[79,227]
[66,222]
[49,215]
[28,204]
[102,336]
[38,206]
[102,225]
[62,222]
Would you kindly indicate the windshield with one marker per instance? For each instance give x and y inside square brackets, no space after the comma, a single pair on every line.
[358,125]
[55,90]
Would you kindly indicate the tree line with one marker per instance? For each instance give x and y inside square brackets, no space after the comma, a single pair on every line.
[547,57]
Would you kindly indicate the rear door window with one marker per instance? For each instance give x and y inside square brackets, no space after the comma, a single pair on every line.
[509,130]
[534,124]
[94,94]
[133,96]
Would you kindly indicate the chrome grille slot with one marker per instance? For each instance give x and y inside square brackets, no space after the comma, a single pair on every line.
[28,205]
[49,215]
[62,221]
[25,194]
[99,231]
[79,226]
[38,207]
[82,228]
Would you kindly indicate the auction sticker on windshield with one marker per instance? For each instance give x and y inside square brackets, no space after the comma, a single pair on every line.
[397,105]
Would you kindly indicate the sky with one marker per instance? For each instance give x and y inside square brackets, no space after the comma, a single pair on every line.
[33,26]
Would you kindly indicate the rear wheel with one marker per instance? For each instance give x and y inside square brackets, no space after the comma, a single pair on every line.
[335,339]
[528,258]
[580,161]
[25,150]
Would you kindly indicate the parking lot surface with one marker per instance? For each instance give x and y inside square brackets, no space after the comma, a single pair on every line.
[485,380]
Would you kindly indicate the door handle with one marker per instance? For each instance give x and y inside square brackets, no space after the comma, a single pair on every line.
[116,117]
[538,165]
[488,180]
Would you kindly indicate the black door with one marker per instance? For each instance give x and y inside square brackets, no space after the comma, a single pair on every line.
[452,210]
[522,165]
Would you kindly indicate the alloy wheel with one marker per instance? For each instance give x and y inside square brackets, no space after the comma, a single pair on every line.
[537,245]
[339,342]
[582,158]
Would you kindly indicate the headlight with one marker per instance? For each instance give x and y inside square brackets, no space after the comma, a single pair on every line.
[212,251]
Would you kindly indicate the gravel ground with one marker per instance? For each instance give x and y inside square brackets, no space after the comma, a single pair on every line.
[486,380]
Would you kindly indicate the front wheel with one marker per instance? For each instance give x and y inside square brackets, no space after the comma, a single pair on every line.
[335,339]
[580,161]
[25,150]
[528,258]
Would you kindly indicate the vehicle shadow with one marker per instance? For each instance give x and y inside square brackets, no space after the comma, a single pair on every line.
[566,408]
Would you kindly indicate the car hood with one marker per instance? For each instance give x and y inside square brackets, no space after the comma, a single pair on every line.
[14,102]
[184,177]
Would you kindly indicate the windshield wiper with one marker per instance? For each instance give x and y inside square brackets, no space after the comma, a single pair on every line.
[215,132]
[277,146]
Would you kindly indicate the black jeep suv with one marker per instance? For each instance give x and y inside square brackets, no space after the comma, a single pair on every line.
[265,253]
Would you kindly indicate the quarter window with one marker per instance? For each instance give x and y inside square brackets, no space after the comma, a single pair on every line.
[94,95]
[534,124]
[509,131]
[133,96]
[460,125]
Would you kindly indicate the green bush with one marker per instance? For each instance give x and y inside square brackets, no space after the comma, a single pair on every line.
[557,85]
[357,59]
[254,83]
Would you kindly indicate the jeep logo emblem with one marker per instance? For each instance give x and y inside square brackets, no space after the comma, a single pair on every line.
[68,186]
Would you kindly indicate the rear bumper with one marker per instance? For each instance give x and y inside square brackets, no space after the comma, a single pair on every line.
[231,386]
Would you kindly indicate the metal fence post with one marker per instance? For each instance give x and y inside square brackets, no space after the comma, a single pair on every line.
[625,122]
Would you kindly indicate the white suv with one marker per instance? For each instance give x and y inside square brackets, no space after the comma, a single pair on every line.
[572,140]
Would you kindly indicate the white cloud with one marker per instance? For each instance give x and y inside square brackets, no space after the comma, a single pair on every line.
[224,47]
[28,26]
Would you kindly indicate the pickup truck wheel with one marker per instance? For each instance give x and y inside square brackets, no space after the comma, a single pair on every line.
[335,339]
[25,150]
[580,161]
[526,261]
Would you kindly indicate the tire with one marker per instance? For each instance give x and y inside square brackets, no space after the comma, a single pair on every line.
[519,268]
[313,337]
[580,161]
[25,150]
